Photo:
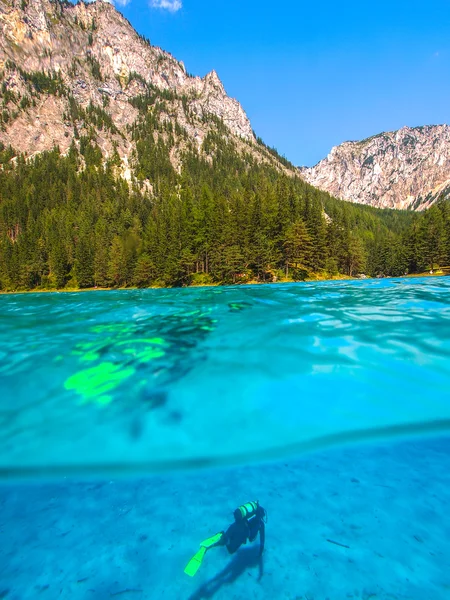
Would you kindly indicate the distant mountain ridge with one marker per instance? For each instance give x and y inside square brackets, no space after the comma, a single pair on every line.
[72,71]
[404,169]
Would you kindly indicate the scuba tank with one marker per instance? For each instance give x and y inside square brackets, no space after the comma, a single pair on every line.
[247,510]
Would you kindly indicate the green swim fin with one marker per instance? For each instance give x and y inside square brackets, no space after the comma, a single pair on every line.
[211,541]
[194,564]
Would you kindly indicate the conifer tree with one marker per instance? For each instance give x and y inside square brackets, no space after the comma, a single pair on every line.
[298,247]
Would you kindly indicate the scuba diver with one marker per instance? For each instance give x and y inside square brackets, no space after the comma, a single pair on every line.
[248,520]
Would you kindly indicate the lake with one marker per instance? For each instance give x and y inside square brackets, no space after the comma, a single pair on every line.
[134,422]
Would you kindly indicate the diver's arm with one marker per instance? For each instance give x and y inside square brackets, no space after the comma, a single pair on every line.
[262,537]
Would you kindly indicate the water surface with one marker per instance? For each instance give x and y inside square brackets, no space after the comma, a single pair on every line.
[120,381]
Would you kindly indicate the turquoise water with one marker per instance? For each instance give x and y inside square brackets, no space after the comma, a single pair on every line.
[133,423]
[128,381]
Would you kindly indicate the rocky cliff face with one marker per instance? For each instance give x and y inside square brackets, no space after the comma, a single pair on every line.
[66,68]
[409,168]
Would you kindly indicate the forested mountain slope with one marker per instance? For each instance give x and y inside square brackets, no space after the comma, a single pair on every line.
[117,168]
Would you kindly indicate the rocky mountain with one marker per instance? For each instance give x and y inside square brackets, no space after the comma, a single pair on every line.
[408,168]
[68,71]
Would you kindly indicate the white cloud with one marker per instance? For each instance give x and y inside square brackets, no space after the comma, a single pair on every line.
[122,2]
[171,5]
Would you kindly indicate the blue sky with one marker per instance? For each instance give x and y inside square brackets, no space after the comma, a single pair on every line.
[311,75]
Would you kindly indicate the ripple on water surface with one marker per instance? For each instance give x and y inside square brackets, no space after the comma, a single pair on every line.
[152,379]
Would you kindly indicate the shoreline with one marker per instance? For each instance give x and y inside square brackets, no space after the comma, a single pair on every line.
[438,273]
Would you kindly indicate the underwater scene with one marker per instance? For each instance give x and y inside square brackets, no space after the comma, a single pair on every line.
[283,441]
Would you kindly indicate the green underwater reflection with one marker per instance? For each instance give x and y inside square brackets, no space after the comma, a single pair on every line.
[153,350]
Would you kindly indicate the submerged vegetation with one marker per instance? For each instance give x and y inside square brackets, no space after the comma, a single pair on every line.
[71,221]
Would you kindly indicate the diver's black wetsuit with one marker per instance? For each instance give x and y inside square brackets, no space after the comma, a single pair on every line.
[243,529]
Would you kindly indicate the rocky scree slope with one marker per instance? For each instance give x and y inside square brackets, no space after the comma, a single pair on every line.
[69,72]
[404,169]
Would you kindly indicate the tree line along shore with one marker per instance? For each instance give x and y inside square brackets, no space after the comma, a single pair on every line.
[72,222]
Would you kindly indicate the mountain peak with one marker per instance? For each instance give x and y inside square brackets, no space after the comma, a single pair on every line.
[213,79]
[59,60]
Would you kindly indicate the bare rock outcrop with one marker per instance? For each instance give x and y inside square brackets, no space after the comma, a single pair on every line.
[53,53]
[408,168]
